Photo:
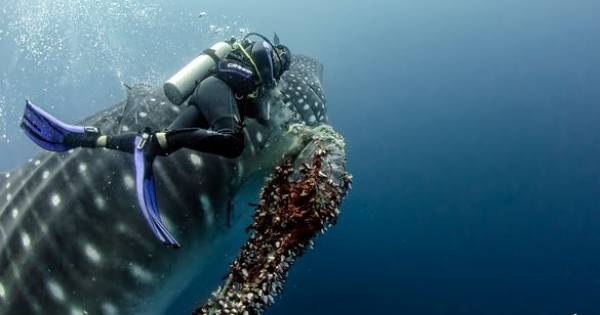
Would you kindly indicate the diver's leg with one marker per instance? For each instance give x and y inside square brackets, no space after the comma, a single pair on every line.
[211,124]
[221,143]
[223,136]
[189,117]
[54,135]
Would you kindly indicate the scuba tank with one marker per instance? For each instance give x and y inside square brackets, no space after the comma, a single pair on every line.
[181,85]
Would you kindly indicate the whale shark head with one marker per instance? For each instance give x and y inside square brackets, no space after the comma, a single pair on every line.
[72,240]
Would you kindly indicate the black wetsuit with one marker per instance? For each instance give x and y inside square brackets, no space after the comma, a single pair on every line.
[211,122]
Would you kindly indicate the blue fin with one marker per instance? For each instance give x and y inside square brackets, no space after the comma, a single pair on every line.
[45,130]
[146,194]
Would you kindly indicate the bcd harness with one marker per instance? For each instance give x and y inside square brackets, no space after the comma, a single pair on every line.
[238,47]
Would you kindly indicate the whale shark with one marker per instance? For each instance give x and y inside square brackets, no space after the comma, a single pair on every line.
[72,240]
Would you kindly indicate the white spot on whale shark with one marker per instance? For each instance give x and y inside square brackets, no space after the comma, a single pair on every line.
[2,292]
[15,213]
[129,182]
[122,228]
[109,309]
[55,199]
[92,253]
[82,167]
[25,240]
[45,174]
[140,273]
[99,202]
[196,160]
[77,311]
[56,291]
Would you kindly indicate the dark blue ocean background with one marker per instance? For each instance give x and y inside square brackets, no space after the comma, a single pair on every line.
[472,130]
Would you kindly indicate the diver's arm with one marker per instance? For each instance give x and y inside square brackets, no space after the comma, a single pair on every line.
[262,55]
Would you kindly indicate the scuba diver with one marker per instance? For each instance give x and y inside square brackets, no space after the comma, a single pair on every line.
[224,83]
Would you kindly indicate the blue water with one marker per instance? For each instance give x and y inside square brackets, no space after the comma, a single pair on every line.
[473,131]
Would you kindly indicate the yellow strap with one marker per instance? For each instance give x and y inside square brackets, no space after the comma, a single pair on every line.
[238,45]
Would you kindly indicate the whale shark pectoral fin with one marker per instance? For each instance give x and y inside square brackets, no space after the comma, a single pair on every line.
[45,130]
[146,194]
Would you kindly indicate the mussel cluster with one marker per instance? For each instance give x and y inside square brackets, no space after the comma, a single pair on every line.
[294,207]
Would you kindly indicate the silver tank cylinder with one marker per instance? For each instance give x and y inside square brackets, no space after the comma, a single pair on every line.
[180,86]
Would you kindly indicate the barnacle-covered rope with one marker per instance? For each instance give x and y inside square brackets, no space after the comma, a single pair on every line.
[296,204]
